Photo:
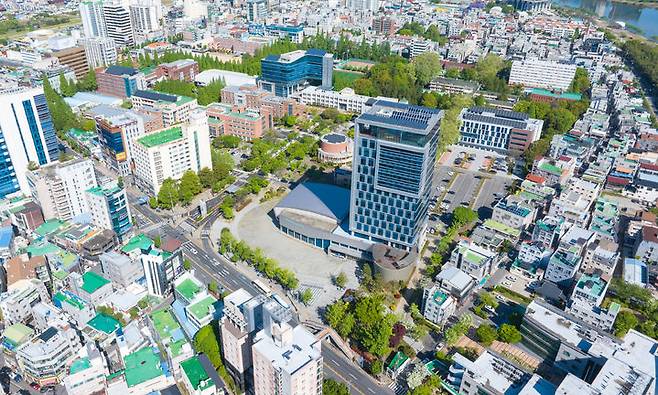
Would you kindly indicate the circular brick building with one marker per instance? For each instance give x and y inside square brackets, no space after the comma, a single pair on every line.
[335,148]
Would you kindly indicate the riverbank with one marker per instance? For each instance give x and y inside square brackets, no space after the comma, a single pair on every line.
[651,4]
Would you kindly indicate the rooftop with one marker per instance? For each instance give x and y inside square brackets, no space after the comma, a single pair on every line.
[188,289]
[104,323]
[412,118]
[165,324]
[92,282]
[196,374]
[140,241]
[17,334]
[142,365]
[398,359]
[79,365]
[121,70]
[49,227]
[203,307]
[162,137]
[323,199]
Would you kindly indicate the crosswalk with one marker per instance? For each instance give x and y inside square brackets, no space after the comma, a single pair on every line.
[397,388]
[315,290]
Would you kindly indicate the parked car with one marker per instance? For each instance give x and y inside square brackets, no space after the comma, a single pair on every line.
[18,378]
[35,386]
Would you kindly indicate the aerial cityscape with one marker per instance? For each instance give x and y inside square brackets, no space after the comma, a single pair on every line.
[306,197]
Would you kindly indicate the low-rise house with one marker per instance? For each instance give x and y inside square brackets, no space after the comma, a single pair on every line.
[437,305]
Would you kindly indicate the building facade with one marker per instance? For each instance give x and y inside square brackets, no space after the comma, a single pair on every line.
[498,130]
[542,74]
[287,73]
[99,51]
[119,81]
[108,205]
[393,166]
[27,135]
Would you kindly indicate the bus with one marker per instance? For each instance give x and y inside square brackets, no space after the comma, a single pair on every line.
[280,301]
[262,288]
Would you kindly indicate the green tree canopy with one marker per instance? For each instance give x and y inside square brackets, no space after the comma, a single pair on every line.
[509,334]
[427,66]
[486,334]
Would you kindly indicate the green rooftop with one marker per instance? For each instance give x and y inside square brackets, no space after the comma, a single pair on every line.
[188,289]
[196,374]
[104,323]
[203,307]
[502,228]
[176,347]
[79,365]
[100,191]
[398,360]
[92,282]
[593,284]
[140,241]
[550,168]
[161,137]
[567,95]
[142,366]
[439,297]
[49,227]
[164,323]
[41,248]
[78,304]
[17,334]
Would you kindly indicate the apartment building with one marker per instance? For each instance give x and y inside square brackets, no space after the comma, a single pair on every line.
[490,373]
[16,304]
[108,205]
[87,374]
[192,298]
[437,306]
[161,265]
[75,307]
[59,188]
[22,267]
[120,269]
[118,23]
[498,130]
[46,358]
[514,212]
[170,152]
[472,259]
[542,74]
[172,109]
[91,287]
[384,25]
[286,360]
[99,51]
[591,288]
[75,58]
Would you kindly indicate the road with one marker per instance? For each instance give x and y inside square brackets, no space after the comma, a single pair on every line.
[210,265]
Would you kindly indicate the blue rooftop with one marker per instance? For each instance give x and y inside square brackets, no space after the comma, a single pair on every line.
[6,235]
[121,70]
[400,114]
[323,199]
[152,95]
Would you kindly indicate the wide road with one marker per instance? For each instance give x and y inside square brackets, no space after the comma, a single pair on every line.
[210,265]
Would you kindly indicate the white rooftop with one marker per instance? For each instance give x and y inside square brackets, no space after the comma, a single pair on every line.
[290,356]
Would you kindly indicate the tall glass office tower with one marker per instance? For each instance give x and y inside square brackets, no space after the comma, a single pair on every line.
[27,135]
[289,72]
[393,165]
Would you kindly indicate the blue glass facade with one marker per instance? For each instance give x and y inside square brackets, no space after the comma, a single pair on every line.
[8,181]
[113,140]
[285,73]
[392,176]
[34,131]
[118,210]
[47,126]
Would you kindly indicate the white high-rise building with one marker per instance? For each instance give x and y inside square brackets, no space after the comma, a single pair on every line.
[93,18]
[542,74]
[363,5]
[257,10]
[195,9]
[119,25]
[146,17]
[59,188]
[27,135]
[170,152]
[100,51]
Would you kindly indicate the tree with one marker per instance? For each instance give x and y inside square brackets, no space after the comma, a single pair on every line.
[88,82]
[32,166]
[209,93]
[190,186]
[306,296]
[168,194]
[176,87]
[205,341]
[340,318]
[187,265]
[429,100]
[333,387]
[427,66]
[226,141]
[486,334]
[376,367]
[509,334]
[213,286]
[373,326]
[341,280]
[463,215]
[624,322]
[66,89]
[60,112]
[153,202]
[580,82]
[487,299]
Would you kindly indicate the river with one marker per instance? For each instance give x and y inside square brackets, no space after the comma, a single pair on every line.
[644,18]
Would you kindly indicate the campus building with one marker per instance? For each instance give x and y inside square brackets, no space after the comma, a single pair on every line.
[542,74]
[384,215]
[248,124]
[119,81]
[178,70]
[336,149]
[170,152]
[345,100]
[100,51]
[172,109]
[287,73]
[498,130]
[27,135]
